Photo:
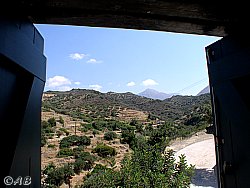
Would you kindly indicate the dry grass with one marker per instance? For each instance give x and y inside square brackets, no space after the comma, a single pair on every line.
[48,155]
[129,114]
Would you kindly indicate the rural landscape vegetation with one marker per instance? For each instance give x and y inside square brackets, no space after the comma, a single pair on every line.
[91,139]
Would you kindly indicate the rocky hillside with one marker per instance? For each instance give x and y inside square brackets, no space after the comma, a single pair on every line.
[86,130]
[85,104]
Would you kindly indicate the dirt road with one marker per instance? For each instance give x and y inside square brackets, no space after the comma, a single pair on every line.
[199,151]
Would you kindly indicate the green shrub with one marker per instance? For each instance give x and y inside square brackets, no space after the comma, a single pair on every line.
[128,137]
[110,135]
[69,141]
[145,168]
[46,128]
[52,121]
[104,150]
[98,169]
[65,152]
[95,132]
[45,124]
[51,146]
[43,138]
[79,165]
[61,120]
[74,140]
[78,150]
[84,161]
[84,140]
[65,131]
[55,177]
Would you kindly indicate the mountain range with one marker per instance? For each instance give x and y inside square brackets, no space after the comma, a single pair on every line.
[204,91]
[153,94]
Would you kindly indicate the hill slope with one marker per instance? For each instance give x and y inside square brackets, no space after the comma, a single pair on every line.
[82,103]
[70,119]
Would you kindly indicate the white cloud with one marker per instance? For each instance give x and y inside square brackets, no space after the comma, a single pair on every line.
[77,56]
[130,84]
[149,82]
[58,81]
[77,83]
[93,61]
[95,87]
[64,88]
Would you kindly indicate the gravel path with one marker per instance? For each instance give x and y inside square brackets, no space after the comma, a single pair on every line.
[199,151]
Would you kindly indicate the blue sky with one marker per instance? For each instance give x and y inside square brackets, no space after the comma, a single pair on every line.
[122,60]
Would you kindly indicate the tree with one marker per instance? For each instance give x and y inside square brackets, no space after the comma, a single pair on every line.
[52,121]
[67,173]
[84,161]
[94,132]
[113,114]
[147,167]
[61,120]
[104,150]
[48,168]
[110,135]
[43,139]
[133,122]
[78,150]
[56,176]
[65,152]
[45,124]
[97,169]
[69,141]
[84,140]
[128,137]
[79,165]
[74,140]
[151,117]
